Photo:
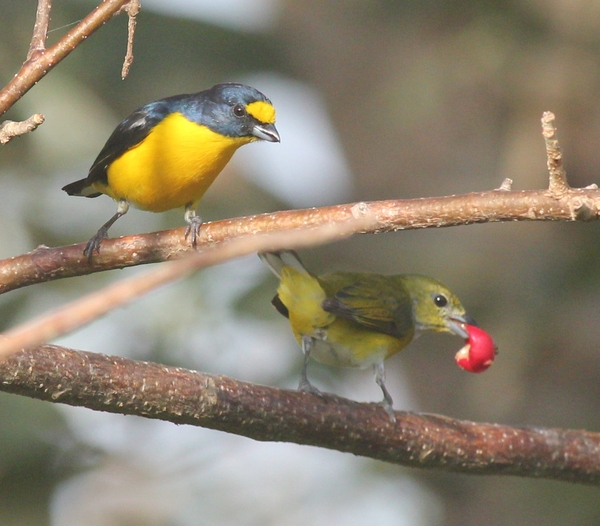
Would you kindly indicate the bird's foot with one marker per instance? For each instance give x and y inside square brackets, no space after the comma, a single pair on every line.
[306,387]
[386,404]
[93,245]
[193,228]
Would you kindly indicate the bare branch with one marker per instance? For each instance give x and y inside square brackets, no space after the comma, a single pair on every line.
[119,385]
[11,129]
[63,320]
[44,60]
[46,264]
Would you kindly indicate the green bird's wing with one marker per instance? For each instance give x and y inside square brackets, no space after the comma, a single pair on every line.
[379,303]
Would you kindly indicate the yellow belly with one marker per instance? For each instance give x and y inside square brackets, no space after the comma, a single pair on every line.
[172,167]
[346,344]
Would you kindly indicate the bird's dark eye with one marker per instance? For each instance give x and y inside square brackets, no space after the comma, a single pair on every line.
[239,110]
[440,300]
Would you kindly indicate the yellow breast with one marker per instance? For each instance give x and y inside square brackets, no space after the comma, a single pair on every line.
[172,167]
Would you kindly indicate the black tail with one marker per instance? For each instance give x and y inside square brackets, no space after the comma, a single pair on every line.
[82,188]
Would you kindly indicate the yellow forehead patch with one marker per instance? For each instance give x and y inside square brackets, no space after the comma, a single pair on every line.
[262,111]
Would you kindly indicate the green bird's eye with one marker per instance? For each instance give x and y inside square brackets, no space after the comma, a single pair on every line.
[239,110]
[440,300]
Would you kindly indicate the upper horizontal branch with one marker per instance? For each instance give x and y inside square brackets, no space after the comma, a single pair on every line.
[46,264]
[119,385]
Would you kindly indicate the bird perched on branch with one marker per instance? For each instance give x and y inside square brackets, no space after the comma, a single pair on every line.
[167,153]
[352,319]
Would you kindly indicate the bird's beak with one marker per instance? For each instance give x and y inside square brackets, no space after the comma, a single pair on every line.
[455,324]
[266,132]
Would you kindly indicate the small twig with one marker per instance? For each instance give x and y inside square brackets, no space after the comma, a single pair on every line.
[11,129]
[558,186]
[132,8]
[40,29]
[119,385]
[79,312]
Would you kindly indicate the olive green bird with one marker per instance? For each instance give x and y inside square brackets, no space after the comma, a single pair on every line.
[355,319]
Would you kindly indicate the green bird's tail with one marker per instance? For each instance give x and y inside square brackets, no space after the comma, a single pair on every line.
[282,258]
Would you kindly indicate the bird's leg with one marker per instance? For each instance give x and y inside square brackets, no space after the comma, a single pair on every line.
[194,222]
[387,402]
[305,384]
[93,245]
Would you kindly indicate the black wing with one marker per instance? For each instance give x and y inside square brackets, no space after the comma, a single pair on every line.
[133,130]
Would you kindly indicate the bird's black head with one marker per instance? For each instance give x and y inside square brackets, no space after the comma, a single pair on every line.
[235,110]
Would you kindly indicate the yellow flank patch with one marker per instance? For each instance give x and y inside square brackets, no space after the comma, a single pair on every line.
[303,295]
[356,346]
[262,111]
[343,344]
[173,166]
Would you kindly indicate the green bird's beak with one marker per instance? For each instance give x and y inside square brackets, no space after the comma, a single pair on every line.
[455,324]
[266,132]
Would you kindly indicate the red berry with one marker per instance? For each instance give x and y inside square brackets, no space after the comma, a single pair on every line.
[479,351]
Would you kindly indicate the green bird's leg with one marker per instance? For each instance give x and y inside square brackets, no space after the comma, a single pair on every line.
[93,245]
[305,384]
[387,402]
[194,222]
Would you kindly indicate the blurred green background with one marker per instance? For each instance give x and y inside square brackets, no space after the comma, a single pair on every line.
[376,99]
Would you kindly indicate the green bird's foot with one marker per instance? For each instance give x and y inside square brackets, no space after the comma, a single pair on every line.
[389,409]
[307,387]
[387,403]
[305,384]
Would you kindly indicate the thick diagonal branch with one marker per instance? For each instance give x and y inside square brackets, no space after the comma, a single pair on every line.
[119,385]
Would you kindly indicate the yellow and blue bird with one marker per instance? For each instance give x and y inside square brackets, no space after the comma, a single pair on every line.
[359,319]
[166,154]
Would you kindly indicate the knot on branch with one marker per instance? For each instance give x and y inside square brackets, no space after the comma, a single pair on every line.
[584,209]
[11,129]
